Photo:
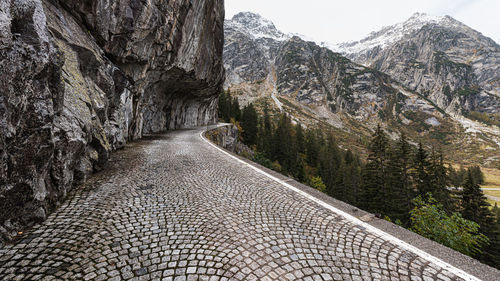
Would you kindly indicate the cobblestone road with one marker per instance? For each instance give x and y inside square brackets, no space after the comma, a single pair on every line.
[175,208]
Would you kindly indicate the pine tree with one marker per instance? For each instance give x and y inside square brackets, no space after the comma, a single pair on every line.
[374,174]
[440,180]
[454,177]
[473,203]
[300,172]
[266,133]
[249,122]
[312,148]
[477,174]
[235,110]
[399,194]
[404,152]
[475,208]
[282,144]
[299,139]
[421,177]
[331,169]
[352,178]
[223,107]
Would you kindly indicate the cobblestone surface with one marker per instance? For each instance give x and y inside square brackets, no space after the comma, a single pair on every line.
[175,208]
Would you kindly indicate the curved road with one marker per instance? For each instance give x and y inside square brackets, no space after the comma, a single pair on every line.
[174,207]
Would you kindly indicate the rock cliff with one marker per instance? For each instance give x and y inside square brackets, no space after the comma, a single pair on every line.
[423,77]
[450,63]
[78,79]
[258,55]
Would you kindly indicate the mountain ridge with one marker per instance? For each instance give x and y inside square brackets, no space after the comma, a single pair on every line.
[312,82]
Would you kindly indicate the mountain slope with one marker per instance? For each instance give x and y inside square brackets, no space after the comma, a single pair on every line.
[439,57]
[318,86]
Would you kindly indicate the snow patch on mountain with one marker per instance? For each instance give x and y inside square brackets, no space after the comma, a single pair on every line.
[390,34]
[256,26]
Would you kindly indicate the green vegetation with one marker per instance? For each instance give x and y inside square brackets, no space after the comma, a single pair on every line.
[318,184]
[429,219]
[229,107]
[441,61]
[459,177]
[467,91]
[392,182]
[488,119]
[249,123]
[447,91]
[400,101]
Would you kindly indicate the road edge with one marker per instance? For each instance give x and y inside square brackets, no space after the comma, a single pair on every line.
[369,227]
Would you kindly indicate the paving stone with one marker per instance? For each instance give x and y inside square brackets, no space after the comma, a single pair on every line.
[174,208]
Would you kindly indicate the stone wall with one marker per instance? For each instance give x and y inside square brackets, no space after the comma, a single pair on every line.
[228,137]
[78,79]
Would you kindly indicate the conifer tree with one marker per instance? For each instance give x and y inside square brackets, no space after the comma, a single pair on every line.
[266,132]
[249,122]
[440,180]
[235,110]
[282,144]
[398,195]
[475,208]
[330,169]
[312,148]
[421,167]
[300,172]
[404,153]
[374,174]
[477,174]
[300,139]
[473,203]
[453,176]
[223,107]
[352,178]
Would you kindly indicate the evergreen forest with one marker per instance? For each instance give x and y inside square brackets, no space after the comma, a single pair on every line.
[410,185]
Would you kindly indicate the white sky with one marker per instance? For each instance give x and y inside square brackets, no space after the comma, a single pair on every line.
[338,21]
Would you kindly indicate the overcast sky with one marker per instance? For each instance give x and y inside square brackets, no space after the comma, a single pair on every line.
[338,21]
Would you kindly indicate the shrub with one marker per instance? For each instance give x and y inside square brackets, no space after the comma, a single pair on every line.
[430,220]
[317,183]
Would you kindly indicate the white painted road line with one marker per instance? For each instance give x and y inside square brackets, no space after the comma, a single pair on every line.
[354,220]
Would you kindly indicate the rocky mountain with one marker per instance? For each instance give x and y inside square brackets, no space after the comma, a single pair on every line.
[300,70]
[427,94]
[78,79]
[441,58]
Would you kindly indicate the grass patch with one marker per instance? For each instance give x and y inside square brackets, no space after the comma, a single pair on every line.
[492,202]
[495,193]
[491,178]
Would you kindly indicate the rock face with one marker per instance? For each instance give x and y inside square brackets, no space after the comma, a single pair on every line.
[316,76]
[79,79]
[422,77]
[228,137]
[441,58]
[302,71]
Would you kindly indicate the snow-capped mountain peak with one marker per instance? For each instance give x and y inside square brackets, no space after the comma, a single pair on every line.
[256,26]
[390,34]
